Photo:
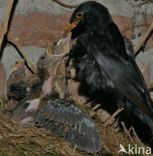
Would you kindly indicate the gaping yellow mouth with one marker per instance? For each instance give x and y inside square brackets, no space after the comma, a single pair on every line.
[70,27]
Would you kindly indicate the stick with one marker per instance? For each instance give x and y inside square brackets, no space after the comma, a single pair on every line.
[112,117]
[4,25]
[106,147]
[24,55]
[126,131]
[135,134]
[66,5]
[145,1]
[143,39]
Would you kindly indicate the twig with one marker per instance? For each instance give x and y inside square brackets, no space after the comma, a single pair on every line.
[135,134]
[112,117]
[143,39]
[92,113]
[106,147]
[126,131]
[145,1]
[24,55]
[74,150]
[66,5]
[4,26]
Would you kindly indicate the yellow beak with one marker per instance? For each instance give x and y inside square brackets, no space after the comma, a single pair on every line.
[71,26]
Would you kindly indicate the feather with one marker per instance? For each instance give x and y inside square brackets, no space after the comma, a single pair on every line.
[69,122]
[105,63]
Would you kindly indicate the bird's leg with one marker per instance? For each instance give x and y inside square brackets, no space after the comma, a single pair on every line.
[112,118]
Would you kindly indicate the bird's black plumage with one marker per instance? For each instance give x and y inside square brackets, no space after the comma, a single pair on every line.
[64,119]
[105,68]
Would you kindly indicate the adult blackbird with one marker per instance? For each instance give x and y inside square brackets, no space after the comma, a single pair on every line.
[104,67]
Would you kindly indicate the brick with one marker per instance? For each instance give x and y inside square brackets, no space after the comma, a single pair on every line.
[124,24]
[39,28]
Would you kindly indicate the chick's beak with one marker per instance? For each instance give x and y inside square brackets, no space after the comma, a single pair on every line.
[49,50]
[18,64]
[70,27]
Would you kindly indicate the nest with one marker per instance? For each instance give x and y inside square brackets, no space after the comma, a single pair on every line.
[16,140]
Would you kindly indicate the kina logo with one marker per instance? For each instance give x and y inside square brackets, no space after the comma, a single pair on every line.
[134,149]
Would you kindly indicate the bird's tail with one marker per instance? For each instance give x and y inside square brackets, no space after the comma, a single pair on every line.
[145,118]
[67,121]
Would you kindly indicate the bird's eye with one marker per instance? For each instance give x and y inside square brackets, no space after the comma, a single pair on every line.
[79,15]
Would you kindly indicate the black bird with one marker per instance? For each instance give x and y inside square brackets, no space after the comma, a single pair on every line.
[64,119]
[104,67]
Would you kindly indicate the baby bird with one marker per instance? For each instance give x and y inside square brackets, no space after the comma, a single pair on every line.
[66,120]
[21,88]
[17,77]
[41,84]
[52,112]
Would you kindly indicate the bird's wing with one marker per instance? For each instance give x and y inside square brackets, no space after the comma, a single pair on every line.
[123,73]
[69,122]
